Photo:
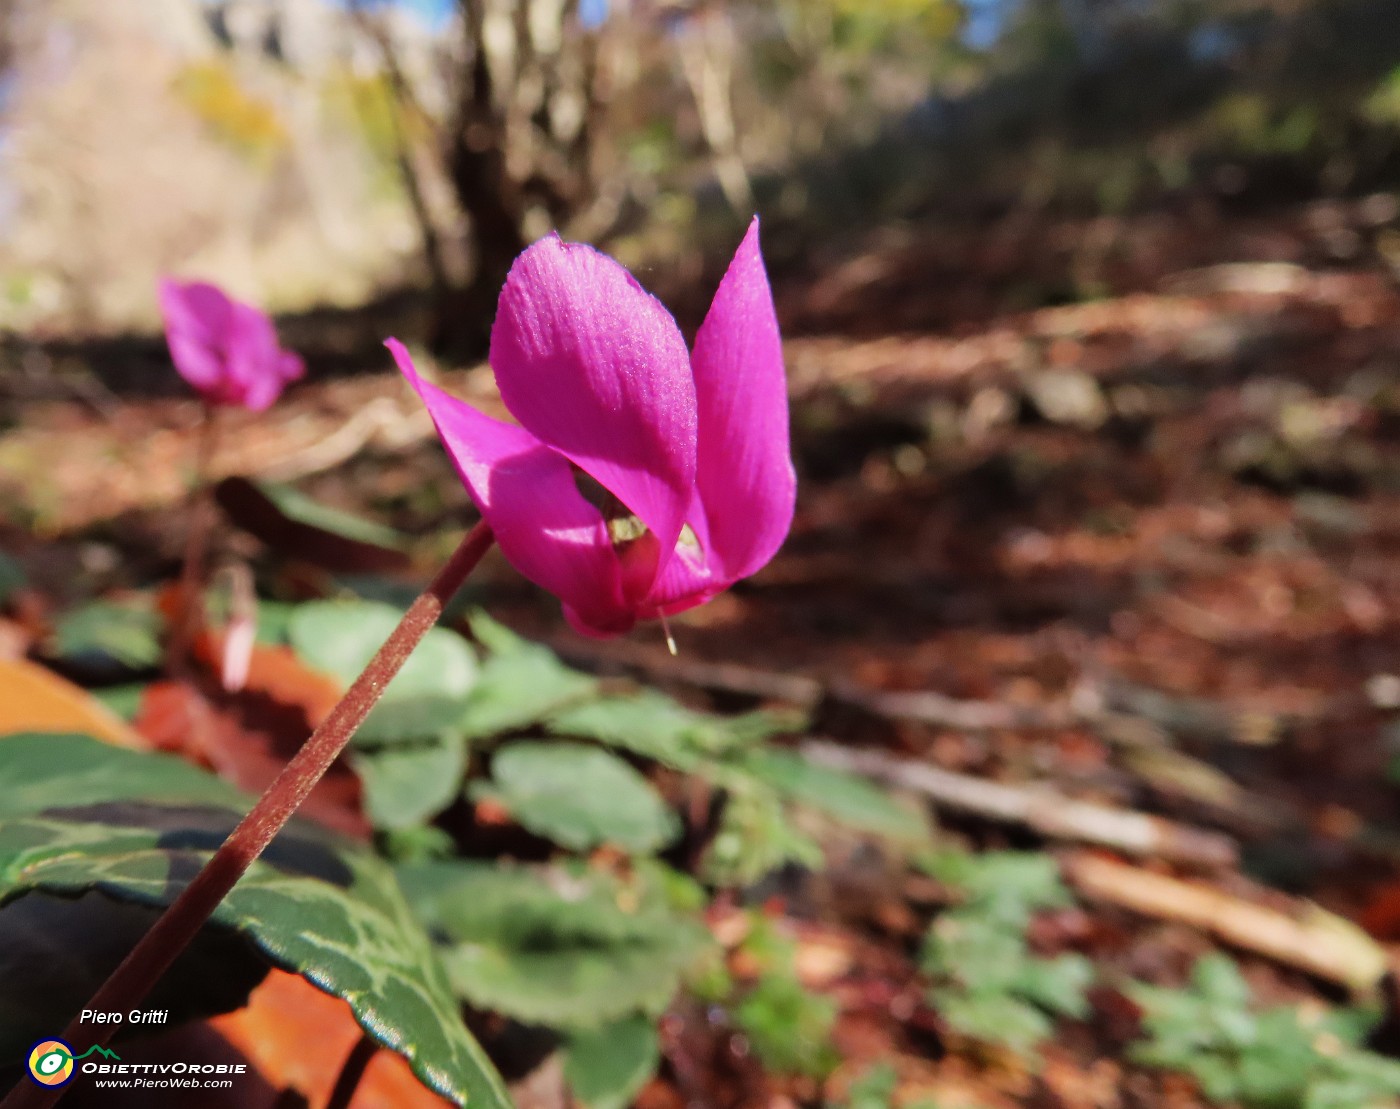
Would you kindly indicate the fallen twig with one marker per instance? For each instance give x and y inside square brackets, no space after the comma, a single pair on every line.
[381,423]
[724,677]
[1043,810]
[927,707]
[924,707]
[1311,939]
[325,426]
[1120,712]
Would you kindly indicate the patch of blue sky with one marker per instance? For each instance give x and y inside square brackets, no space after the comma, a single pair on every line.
[435,13]
[432,12]
[985,21]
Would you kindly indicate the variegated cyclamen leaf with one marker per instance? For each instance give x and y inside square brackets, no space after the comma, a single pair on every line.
[314,904]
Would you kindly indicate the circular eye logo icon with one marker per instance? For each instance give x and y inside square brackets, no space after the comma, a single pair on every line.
[51,1063]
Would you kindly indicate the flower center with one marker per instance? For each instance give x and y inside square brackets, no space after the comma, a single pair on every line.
[624,527]
[624,530]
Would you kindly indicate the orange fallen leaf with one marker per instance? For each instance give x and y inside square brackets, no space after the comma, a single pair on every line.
[299,1037]
[1381,914]
[658,1094]
[35,699]
[274,671]
[277,672]
[492,814]
[246,738]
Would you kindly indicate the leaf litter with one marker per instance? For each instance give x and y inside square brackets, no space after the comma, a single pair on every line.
[1154,530]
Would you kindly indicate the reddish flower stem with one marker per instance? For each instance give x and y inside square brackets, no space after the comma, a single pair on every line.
[180,923]
[189,607]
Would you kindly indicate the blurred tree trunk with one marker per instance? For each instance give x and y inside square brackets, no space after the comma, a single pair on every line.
[521,146]
[433,255]
[707,50]
[7,41]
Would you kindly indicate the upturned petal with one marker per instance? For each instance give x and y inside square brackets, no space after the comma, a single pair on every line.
[227,350]
[526,493]
[258,368]
[595,368]
[744,476]
[196,317]
[690,578]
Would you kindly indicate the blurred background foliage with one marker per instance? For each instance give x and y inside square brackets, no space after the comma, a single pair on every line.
[330,152]
[212,92]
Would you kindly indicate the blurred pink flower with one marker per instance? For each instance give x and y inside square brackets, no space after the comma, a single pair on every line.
[642,479]
[226,349]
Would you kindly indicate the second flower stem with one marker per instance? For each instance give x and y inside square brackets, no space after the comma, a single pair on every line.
[177,927]
[189,607]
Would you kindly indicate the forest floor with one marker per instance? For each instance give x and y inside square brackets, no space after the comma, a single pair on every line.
[1141,551]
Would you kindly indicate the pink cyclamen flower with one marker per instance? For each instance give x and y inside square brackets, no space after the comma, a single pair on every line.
[687,453]
[226,349]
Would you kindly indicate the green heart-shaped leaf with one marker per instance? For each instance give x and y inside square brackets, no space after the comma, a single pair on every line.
[561,946]
[425,698]
[578,796]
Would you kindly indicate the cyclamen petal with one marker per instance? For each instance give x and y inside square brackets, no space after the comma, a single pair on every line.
[694,446]
[745,475]
[691,577]
[195,315]
[684,583]
[226,349]
[596,368]
[526,493]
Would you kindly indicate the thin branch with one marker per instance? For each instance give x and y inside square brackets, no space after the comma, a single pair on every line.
[722,676]
[938,710]
[1311,939]
[404,99]
[1043,810]
[1120,712]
